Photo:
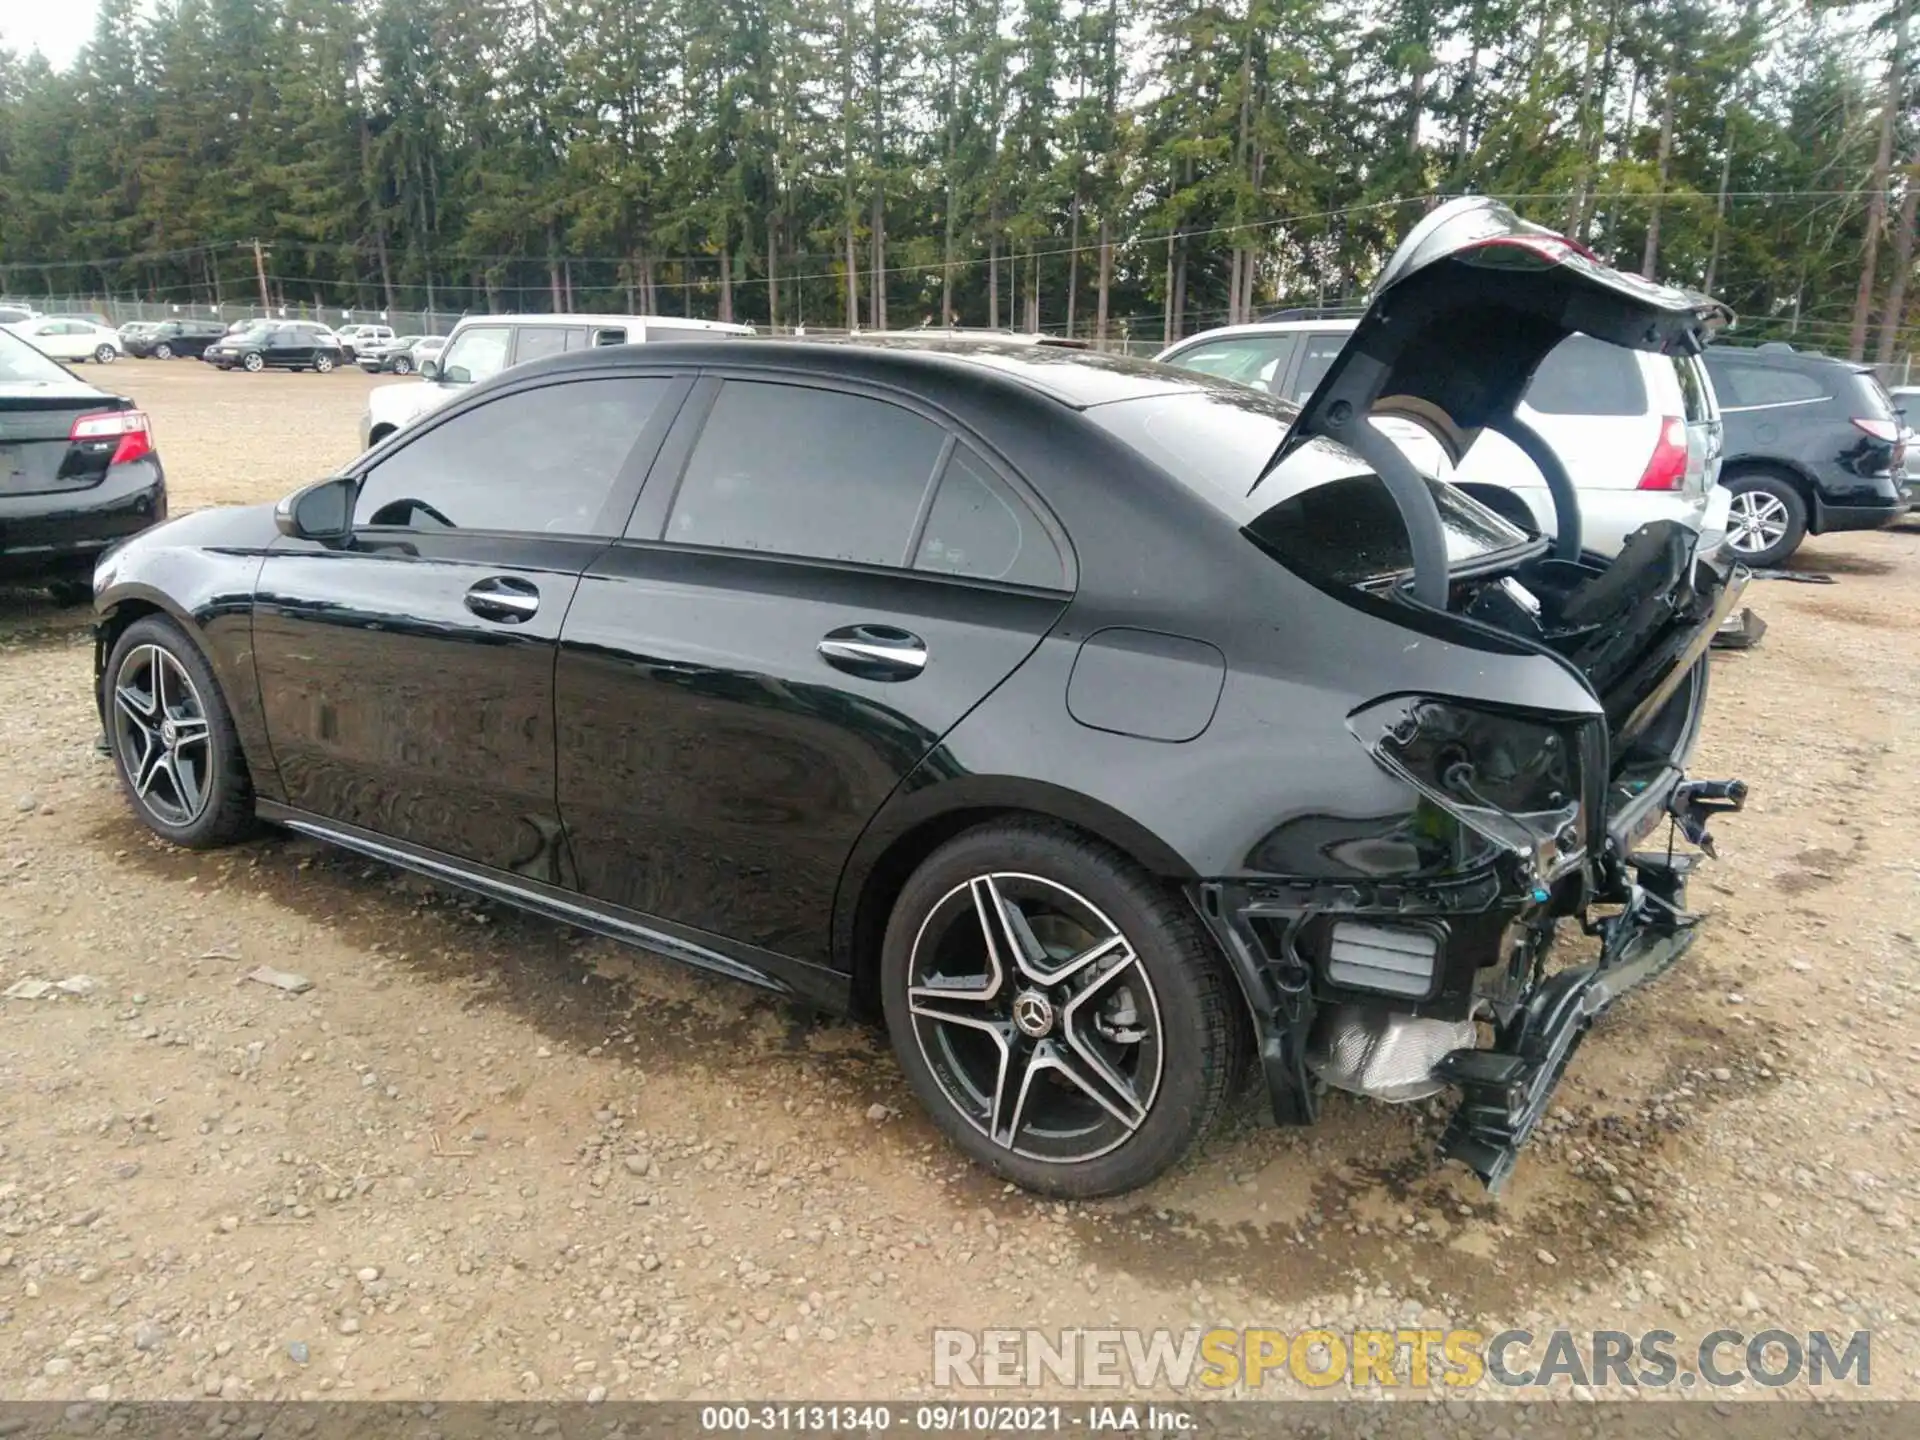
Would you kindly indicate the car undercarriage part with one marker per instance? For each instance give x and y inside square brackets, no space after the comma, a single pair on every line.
[1384,1055]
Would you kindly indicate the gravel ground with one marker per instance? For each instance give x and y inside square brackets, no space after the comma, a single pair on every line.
[487,1156]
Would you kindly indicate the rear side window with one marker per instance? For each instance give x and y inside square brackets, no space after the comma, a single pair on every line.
[798,471]
[1694,396]
[980,528]
[1740,385]
[534,461]
[1249,359]
[1584,376]
[1316,358]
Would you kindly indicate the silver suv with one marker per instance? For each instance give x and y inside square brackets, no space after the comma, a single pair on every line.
[1639,433]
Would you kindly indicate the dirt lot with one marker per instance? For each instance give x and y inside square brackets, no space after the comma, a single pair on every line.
[487,1156]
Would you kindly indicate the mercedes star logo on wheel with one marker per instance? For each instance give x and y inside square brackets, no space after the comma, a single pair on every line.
[1033,1013]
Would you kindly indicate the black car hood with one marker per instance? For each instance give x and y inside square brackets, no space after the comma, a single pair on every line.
[1468,307]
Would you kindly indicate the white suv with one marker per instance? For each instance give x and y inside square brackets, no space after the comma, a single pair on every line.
[481,346]
[1638,433]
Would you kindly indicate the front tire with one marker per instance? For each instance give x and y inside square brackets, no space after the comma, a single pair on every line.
[172,737]
[253,363]
[1058,1010]
[163,351]
[1767,520]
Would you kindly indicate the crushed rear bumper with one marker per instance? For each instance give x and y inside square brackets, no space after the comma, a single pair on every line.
[1506,1089]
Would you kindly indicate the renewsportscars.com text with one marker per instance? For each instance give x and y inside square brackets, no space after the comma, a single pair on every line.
[1226,1359]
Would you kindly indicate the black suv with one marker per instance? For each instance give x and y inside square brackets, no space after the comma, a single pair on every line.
[1813,444]
[285,346]
[175,337]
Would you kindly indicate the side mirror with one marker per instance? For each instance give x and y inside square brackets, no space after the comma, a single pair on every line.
[322,512]
[455,374]
[429,370]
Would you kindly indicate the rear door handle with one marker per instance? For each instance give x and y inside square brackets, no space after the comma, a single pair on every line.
[505,598]
[874,652]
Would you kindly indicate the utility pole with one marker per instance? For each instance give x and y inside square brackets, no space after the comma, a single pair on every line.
[260,269]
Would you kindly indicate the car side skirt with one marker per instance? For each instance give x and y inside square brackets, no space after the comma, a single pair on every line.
[815,985]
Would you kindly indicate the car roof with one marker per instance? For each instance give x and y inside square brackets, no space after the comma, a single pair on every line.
[665,322]
[1073,378]
[1780,356]
[1272,327]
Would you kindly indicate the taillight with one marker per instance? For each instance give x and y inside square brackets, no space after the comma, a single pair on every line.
[1667,467]
[130,427]
[1887,430]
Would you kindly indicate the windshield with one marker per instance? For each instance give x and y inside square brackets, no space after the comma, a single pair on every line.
[22,364]
[1321,511]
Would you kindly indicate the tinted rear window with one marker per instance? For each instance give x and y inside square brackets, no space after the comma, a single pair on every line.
[1871,400]
[1322,511]
[21,363]
[1584,376]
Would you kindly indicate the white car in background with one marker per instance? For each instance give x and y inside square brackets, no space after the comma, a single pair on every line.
[68,337]
[481,346]
[1638,433]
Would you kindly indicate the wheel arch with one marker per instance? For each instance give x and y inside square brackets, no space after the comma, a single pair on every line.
[915,824]
[1777,468]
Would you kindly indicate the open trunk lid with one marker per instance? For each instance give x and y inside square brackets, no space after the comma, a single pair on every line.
[1463,314]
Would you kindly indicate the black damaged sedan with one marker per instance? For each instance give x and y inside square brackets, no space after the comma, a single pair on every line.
[1112,734]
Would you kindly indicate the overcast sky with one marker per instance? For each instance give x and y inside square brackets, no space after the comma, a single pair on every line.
[57,28]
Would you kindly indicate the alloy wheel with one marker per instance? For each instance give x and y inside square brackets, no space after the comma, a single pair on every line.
[1756,522]
[323,363]
[1036,1017]
[163,351]
[161,732]
[403,366]
[104,355]
[254,362]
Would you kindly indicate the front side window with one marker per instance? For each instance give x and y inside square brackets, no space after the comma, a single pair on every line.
[798,471]
[536,461]
[477,354]
[1248,359]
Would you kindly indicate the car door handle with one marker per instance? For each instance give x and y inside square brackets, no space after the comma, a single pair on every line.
[874,652]
[505,598]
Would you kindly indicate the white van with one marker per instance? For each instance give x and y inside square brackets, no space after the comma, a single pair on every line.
[481,346]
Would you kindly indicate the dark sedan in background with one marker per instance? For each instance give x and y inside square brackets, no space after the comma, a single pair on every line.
[172,338]
[276,347]
[78,471]
[1112,731]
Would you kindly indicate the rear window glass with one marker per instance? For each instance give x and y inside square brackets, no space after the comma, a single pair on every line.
[1741,385]
[1322,511]
[1584,376]
[21,363]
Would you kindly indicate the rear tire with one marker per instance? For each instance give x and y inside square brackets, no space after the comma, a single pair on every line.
[105,354]
[1767,521]
[1103,1036]
[323,363]
[172,737]
[402,365]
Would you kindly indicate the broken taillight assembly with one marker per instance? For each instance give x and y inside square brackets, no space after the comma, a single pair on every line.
[1517,780]
[1667,466]
[130,432]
